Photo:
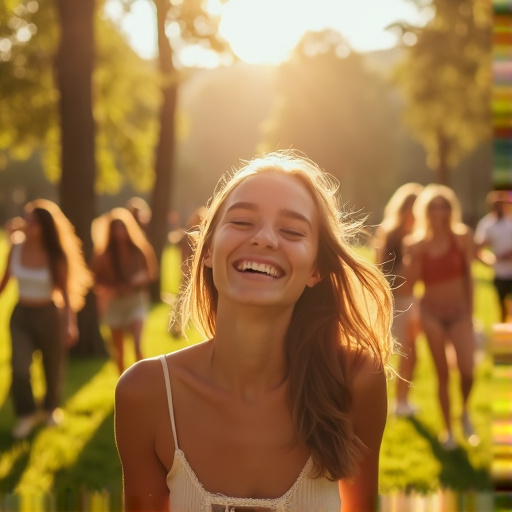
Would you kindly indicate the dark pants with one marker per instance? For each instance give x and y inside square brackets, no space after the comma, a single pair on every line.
[504,288]
[36,328]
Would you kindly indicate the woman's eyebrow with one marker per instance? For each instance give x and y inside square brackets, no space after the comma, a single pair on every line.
[292,214]
[242,205]
[295,215]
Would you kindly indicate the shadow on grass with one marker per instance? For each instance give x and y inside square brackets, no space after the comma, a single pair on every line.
[97,469]
[14,454]
[457,473]
[14,461]
[79,371]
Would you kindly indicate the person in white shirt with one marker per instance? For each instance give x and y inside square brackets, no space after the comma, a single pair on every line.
[494,233]
[47,262]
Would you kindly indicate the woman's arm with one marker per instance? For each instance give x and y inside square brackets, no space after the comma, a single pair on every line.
[69,315]
[469,255]
[147,271]
[368,412]
[380,246]
[136,422]
[411,260]
[7,272]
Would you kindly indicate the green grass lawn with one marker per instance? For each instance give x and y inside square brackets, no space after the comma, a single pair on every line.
[75,466]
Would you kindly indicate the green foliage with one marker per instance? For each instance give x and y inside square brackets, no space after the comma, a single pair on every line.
[196,25]
[28,40]
[446,80]
[338,113]
[126,97]
[126,109]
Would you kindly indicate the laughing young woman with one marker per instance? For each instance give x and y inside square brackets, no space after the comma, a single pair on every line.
[283,407]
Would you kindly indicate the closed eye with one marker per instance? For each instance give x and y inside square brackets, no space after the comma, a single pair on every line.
[242,223]
[293,233]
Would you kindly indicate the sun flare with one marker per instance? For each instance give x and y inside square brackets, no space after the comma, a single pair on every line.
[265,31]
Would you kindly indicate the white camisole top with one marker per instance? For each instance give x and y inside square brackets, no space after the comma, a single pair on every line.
[188,495]
[33,283]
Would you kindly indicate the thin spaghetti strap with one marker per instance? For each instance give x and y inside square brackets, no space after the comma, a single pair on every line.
[169,398]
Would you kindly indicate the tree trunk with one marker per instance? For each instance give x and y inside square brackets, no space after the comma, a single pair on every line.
[442,164]
[75,61]
[164,154]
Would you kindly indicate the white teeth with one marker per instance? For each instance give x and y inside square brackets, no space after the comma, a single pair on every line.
[258,267]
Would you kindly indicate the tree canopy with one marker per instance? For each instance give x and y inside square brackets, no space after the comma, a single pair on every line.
[446,79]
[125,96]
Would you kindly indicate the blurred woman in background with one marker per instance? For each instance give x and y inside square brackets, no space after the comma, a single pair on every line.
[397,223]
[124,265]
[440,253]
[53,279]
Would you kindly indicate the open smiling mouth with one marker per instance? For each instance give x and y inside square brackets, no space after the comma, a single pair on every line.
[258,268]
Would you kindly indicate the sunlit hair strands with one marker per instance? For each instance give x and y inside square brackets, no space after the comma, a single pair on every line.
[104,242]
[346,316]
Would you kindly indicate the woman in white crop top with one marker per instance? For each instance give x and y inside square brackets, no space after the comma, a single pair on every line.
[283,407]
[52,278]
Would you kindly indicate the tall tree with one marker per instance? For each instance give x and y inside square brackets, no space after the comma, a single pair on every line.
[164,151]
[192,24]
[75,64]
[446,80]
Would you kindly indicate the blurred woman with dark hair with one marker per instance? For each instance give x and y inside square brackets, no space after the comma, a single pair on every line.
[397,223]
[53,279]
[124,264]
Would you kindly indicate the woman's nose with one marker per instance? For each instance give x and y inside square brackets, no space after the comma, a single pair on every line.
[265,236]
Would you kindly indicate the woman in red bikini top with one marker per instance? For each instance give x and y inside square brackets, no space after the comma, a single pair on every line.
[440,253]
[446,267]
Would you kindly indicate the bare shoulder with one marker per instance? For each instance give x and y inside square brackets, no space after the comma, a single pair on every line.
[138,383]
[463,233]
[142,379]
[190,359]
[412,244]
[364,372]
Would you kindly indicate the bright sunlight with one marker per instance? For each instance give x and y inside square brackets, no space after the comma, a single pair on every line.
[265,31]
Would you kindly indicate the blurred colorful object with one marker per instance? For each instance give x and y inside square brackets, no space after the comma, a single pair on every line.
[501,346]
[501,427]
[502,94]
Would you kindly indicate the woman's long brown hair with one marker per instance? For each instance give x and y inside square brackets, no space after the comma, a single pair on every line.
[348,313]
[105,244]
[64,250]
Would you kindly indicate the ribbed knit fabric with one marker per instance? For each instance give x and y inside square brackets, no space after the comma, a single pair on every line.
[34,283]
[188,495]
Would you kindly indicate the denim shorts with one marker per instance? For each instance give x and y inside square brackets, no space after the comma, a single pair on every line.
[121,311]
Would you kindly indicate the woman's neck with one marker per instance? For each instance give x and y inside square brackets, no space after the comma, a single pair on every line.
[34,244]
[440,233]
[248,351]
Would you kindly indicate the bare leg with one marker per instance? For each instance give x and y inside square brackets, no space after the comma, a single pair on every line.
[463,340]
[118,340]
[136,330]
[408,361]
[436,340]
